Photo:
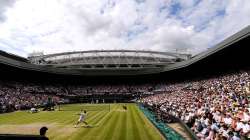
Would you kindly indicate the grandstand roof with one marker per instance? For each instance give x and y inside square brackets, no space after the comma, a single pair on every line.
[108,59]
[220,51]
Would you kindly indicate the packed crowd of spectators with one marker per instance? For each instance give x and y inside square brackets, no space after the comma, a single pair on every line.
[26,95]
[214,109]
[109,89]
[17,97]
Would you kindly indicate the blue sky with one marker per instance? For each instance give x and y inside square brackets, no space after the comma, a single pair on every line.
[53,26]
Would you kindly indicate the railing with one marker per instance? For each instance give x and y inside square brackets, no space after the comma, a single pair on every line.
[166,131]
[188,130]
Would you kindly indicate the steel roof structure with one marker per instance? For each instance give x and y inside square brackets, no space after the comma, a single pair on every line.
[109,58]
[236,46]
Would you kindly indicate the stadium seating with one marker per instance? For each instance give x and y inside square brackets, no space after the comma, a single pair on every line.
[217,107]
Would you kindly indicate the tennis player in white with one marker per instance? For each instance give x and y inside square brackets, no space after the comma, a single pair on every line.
[82,117]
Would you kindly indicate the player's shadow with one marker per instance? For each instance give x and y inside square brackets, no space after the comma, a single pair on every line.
[88,126]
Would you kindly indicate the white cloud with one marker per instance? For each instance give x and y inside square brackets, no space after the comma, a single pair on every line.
[54,26]
[4,5]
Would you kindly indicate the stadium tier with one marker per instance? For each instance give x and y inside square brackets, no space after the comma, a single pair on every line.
[129,95]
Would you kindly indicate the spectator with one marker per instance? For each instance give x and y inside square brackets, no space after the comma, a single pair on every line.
[43,131]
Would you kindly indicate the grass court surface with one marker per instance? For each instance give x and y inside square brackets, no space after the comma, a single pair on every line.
[116,124]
